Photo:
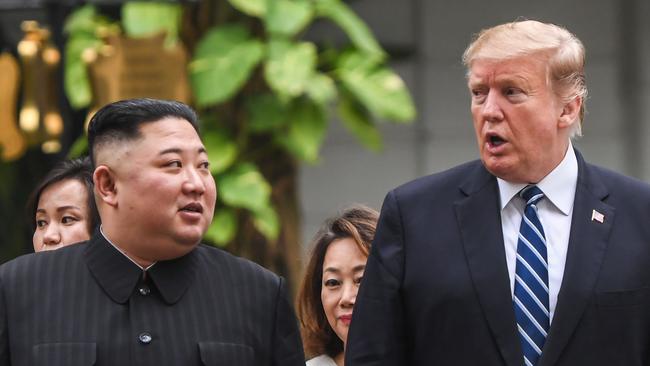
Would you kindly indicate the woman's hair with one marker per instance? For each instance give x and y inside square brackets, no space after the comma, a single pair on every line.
[79,169]
[563,51]
[357,222]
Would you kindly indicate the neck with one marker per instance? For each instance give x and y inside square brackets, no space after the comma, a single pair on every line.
[339,359]
[119,244]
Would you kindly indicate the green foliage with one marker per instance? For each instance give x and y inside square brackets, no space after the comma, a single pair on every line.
[290,66]
[223,227]
[377,87]
[222,149]
[357,120]
[78,148]
[222,63]
[83,27]
[267,112]
[256,8]
[141,19]
[359,33]
[270,88]
[266,220]
[307,128]
[288,17]
[245,187]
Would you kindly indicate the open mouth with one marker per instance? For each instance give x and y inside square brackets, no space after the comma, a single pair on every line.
[496,140]
[193,207]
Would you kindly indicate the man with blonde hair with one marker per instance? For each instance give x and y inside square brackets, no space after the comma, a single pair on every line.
[538,257]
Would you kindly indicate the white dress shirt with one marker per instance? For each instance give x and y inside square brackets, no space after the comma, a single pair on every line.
[554,212]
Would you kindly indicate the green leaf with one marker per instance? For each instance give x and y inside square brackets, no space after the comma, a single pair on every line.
[267,112]
[321,88]
[141,19]
[306,131]
[379,89]
[256,8]
[223,227]
[222,149]
[82,20]
[290,66]
[79,147]
[76,82]
[354,27]
[244,186]
[288,17]
[267,222]
[357,121]
[223,62]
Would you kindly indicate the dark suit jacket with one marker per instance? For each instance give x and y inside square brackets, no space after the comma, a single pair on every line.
[436,289]
[87,304]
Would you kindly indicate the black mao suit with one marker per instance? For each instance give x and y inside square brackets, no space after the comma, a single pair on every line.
[87,304]
[436,289]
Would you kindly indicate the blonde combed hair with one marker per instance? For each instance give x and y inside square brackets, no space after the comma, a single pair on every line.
[564,51]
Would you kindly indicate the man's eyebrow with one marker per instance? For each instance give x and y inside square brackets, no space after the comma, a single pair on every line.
[176,150]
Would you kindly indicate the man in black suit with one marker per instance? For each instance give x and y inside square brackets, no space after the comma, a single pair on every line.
[529,256]
[142,291]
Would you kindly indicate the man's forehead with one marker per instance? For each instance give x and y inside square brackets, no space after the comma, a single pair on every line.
[520,69]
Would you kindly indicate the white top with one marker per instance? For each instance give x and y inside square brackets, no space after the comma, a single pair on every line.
[554,212]
[322,360]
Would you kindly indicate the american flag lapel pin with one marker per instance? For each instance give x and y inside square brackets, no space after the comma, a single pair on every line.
[597,216]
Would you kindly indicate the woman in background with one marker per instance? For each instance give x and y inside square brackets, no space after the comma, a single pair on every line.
[332,277]
[62,206]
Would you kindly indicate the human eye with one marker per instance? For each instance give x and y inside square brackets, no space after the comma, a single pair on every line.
[41,223]
[68,220]
[513,93]
[478,95]
[174,164]
[357,280]
[332,282]
[204,165]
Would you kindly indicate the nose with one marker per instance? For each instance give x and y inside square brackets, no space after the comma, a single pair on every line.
[492,111]
[349,295]
[194,182]
[52,236]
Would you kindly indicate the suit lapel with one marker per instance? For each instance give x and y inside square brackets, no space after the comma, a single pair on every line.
[587,244]
[478,217]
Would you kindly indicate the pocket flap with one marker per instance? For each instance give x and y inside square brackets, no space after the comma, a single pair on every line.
[226,354]
[64,354]
[624,298]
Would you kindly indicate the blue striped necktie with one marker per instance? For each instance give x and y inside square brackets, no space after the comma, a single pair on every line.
[531,280]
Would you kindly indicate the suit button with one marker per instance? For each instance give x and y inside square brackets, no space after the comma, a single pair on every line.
[144,290]
[145,338]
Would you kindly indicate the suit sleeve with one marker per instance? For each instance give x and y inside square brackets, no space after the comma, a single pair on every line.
[377,334]
[287,344]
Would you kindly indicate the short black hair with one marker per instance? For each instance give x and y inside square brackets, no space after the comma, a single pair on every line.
[120,121]
[79,169]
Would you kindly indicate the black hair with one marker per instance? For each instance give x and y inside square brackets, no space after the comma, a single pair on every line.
[79,169]
[120,121]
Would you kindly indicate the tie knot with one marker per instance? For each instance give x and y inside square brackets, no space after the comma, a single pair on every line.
[531,194]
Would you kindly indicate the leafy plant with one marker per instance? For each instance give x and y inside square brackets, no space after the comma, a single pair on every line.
[265,95]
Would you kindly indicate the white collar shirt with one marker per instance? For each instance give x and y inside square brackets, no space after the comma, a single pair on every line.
[554,212]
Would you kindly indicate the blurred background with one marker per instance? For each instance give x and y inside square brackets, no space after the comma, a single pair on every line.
[306,106]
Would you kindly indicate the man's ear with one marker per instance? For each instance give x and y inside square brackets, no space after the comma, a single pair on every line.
[570,113]
[105,187]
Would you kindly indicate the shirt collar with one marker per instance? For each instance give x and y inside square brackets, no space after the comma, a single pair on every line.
[559,186]
[123,252]
[118,275]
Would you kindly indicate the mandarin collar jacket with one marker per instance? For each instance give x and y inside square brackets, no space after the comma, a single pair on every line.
[88,304]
